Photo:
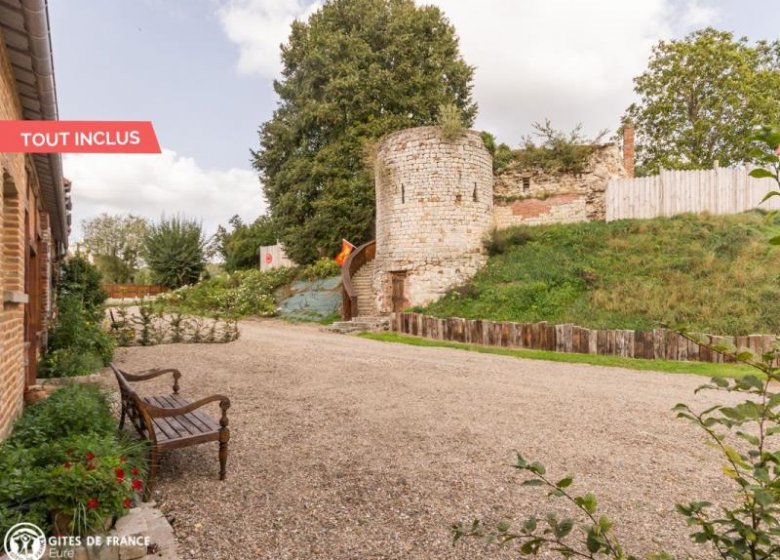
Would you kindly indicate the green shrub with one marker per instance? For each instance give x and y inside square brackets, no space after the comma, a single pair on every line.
[322,268]
[76,476]
[77,345]
[241,294]
[451,122]
[500,241]
[502,153]
[91,478]
[81,280]
[67,362]
[62,456]
[174,249]
[557,151]
[75,409]
[22,488]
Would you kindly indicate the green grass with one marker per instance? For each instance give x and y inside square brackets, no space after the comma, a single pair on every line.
[713,274]
[665,366]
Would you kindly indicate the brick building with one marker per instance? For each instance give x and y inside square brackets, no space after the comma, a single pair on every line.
[34,206]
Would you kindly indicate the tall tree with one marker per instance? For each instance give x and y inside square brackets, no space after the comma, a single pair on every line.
[174,249]
[115,242]
[699,99]
[355,71]
[239,246]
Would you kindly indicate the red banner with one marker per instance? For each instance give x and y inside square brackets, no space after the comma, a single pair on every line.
[78,137]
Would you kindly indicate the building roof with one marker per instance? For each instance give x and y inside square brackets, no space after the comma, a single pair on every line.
[24,25]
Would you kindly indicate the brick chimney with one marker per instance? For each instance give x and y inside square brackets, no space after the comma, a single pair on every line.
[628,148]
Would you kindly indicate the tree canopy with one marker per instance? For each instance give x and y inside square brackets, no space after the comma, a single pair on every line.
[239,246]
[115,243]
[356,70]
[700,97]
[174,249]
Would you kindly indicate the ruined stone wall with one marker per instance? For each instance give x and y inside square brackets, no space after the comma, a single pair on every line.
[434,205]
[534,197]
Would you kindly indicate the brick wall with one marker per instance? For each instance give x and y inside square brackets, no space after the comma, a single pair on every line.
[556,209]
[15,179]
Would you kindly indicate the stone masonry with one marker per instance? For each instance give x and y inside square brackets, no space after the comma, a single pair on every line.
[434,209]
[534,197]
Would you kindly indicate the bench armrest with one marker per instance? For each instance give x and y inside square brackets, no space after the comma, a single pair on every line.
[152,373]
[158,412]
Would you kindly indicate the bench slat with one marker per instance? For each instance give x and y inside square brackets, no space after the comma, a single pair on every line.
[196,417]
[163,430]
[191,425]
[173,421]
[188,421]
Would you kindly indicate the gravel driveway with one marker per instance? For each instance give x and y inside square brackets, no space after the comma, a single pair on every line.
[345,448]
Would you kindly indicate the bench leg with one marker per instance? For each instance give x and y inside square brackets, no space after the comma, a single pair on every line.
[224,437]
[154,460]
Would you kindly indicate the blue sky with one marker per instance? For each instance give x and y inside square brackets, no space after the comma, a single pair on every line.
[202,71]
[167,61]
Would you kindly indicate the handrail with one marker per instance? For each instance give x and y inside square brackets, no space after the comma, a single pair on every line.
[355,260]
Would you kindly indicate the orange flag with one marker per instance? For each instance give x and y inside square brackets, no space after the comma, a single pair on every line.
[346,249]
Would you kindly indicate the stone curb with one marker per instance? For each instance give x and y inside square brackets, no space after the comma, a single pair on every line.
[143,521]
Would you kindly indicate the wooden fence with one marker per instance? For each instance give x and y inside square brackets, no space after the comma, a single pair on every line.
[656,344]
[122,291]
[717,191]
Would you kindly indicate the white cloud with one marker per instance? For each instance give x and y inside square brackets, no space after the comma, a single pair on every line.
[152,184]
[259,27]
[569,60]
[696,15]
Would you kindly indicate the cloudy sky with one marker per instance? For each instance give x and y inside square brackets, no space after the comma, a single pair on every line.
[202,71]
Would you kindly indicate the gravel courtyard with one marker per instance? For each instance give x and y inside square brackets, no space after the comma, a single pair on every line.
[345,448]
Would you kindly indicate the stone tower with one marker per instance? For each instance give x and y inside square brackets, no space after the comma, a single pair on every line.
[434,208]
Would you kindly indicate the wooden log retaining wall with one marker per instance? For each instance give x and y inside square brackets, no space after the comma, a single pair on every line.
[656,344]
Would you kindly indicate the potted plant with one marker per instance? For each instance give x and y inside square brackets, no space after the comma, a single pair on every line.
[92,487]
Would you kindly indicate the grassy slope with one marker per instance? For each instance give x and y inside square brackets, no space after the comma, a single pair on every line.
[665,366]
[713,274]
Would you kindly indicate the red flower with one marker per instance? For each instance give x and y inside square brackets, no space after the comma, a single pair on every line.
[92,503]
[134,471]
[127,503]
[120,474]
[137,484]
[67,464]
[90,456]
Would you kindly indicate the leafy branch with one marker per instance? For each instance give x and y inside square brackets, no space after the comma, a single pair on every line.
[552,533]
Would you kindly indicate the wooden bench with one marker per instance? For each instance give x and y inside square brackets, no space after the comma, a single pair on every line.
[171,421]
